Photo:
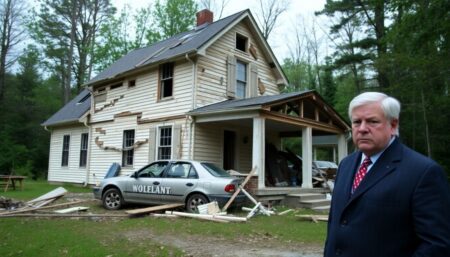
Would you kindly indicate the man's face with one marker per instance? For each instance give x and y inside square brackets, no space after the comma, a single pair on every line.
[371,130]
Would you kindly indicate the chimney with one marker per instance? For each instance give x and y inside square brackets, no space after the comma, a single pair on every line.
[204,16]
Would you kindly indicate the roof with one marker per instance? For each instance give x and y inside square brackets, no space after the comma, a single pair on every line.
[238,104]
[72,111]
[178,45]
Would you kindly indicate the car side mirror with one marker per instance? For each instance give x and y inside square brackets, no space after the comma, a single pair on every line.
[135,175]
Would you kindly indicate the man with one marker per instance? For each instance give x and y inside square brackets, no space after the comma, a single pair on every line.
[388,200]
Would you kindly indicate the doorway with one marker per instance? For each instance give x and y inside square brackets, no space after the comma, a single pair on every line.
[229,150]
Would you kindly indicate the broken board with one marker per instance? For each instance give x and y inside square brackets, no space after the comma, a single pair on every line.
[154,208]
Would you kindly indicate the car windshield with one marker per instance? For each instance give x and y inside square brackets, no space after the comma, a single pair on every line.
[214,170]
[325,164]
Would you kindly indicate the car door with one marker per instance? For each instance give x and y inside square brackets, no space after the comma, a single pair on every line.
[180,179]
[145,185]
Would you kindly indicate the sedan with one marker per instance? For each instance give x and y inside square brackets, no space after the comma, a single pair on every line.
[163,182]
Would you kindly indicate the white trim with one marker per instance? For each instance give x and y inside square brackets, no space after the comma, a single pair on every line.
[158,135]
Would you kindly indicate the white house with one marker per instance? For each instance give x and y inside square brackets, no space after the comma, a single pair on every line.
[212,93]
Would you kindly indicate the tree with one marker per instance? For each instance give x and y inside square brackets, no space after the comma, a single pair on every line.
[370,16]
[66,29]
[11,33]
[172,17]
[268,14]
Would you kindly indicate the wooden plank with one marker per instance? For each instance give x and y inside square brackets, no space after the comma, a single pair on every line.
[60,191]
[196,216]
[285,212]
[70,210]
[154,208]
[239,189]
[28,209]
[47,215]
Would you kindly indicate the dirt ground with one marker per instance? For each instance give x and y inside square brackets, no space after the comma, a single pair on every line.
[198,246]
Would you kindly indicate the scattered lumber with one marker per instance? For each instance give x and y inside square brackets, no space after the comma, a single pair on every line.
[218,218]
[164,215]
[154,208]
[70,210]
[285,212]
[30,209]
[50,215]
[259,207]
[209,208]
[250,209]
[314,218]
[239,189]
[47,198]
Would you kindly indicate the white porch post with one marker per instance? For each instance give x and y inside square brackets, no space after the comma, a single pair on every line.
[342,147]
[307,157]
[258,150]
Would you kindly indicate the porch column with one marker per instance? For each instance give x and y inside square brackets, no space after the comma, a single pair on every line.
[342,147]
[258,150]
[307,157]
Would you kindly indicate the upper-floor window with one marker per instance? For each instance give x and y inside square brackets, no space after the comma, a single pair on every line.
[165,143]
[65,151]
[166,80]
[241,79]
[128,150]
[83,149]
[241,42]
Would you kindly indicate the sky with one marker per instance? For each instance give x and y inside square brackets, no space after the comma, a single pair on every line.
[299,11]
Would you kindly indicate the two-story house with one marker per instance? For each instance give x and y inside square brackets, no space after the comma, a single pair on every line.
[212,94]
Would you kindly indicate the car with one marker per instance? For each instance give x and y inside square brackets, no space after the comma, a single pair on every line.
[176,181]
[329,168]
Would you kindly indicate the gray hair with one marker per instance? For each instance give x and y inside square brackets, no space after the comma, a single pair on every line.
[389,105]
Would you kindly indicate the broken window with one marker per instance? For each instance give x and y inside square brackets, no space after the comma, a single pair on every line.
[241,79]
[166,80]
[241,43]
[65,151]
[165,143]
[83,149]
[128,150]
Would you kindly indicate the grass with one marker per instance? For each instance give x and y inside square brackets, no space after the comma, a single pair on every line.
[133,237]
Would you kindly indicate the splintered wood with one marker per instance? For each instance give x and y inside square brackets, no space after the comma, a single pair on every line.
[154,208]
[314,218]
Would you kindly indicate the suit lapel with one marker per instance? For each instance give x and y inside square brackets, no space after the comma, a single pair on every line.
[386,164]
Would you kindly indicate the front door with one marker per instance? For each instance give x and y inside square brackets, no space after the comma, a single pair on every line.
[229,150]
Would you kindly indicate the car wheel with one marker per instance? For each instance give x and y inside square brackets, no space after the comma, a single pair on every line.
[194,201]
[112,199]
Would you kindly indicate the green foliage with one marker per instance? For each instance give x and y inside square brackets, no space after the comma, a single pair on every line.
[173,17]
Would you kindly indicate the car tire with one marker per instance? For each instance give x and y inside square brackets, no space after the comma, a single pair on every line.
[195,200]
[112,199]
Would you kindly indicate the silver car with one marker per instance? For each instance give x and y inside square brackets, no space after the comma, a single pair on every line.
[190,182]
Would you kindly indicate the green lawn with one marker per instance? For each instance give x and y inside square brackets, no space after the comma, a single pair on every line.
[114,237]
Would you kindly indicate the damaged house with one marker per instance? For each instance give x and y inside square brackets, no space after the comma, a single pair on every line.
[211,94]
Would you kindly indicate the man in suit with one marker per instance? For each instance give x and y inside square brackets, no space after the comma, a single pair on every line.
[388,200]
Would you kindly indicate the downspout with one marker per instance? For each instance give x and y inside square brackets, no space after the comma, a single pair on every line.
[193,105]
[88,157]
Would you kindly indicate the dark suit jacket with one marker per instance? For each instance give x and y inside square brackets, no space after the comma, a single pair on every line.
[401,208]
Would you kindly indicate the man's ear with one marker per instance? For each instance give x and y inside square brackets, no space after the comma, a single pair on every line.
[394,126]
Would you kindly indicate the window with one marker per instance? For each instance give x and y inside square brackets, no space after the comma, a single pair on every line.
[83,149]
[166,80]
[165,143]
[128,151]
[65,151]
[241,79]
[131,83]
[241,43]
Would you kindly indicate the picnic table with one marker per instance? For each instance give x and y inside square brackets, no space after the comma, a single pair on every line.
[10,181]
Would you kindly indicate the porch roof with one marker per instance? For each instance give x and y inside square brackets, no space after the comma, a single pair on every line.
[238,104]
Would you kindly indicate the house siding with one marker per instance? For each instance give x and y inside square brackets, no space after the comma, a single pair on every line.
[73,172]
[212,67]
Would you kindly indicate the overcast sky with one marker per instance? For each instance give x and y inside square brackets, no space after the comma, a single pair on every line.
[299,11]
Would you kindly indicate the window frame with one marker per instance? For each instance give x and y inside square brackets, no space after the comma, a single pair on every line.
[127,141]
[238,81]
[166,76]
[160,147]
[239,40]
[84,142]
[65,151]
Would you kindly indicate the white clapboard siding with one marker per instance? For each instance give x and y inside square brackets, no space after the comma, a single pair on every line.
[212,68]
[72,173]
[143,96]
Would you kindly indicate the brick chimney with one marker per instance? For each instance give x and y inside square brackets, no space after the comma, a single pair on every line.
[204,16]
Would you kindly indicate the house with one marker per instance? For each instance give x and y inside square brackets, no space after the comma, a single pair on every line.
[212,93]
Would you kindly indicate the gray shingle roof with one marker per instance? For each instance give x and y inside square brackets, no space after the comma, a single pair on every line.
[72,111]
[177,45]
[247,102]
